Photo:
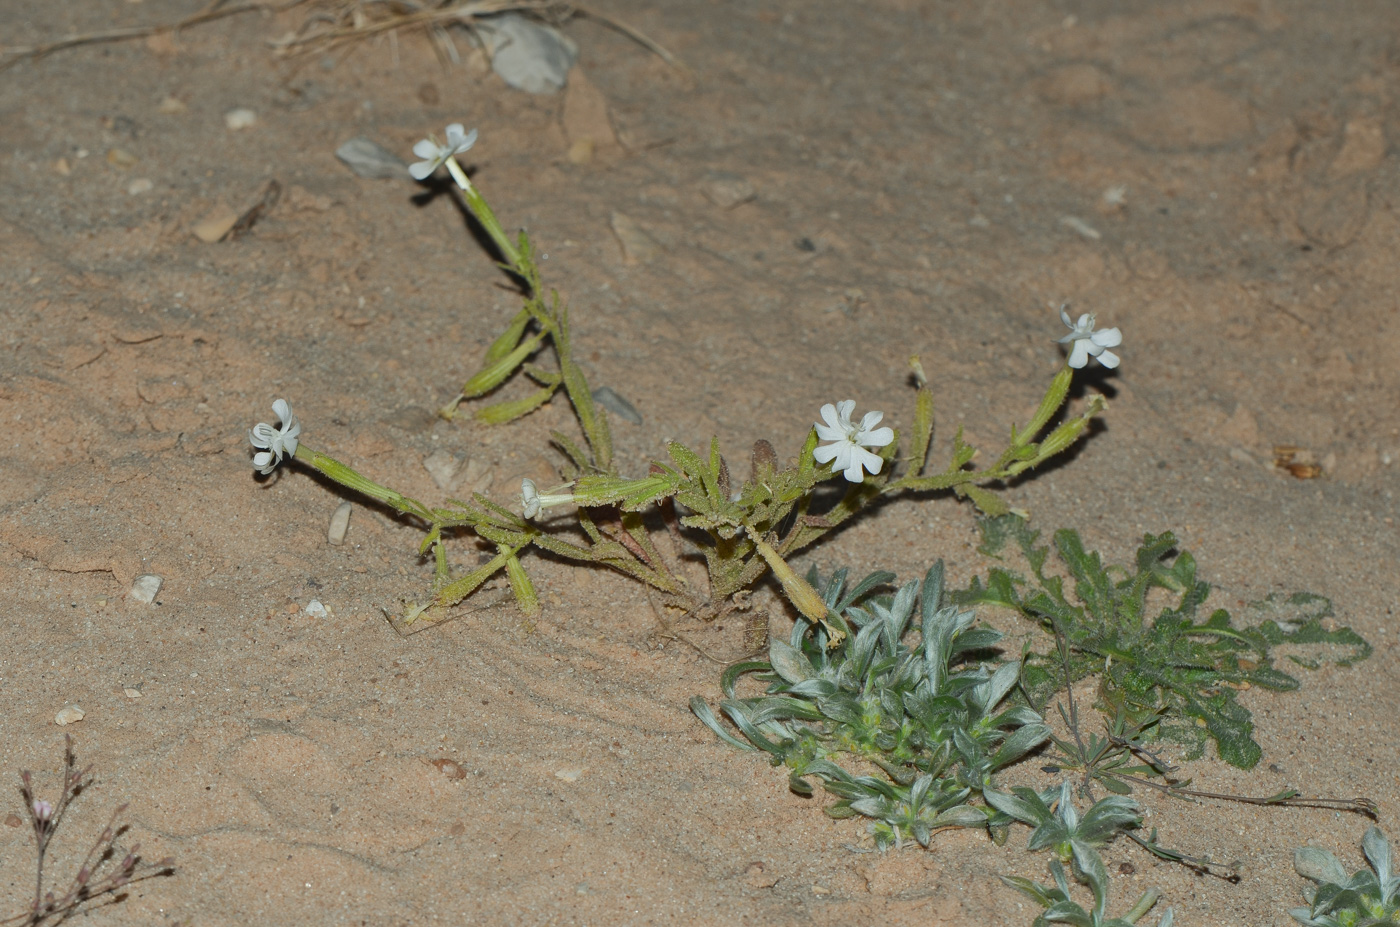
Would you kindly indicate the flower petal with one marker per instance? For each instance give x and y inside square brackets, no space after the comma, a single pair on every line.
[877,438]
[1109,359]
[826,453]
[1079,356]
[262,435]
[1064,312]
[422,170]
[1108,338]
[871,462]
[844,408]
[426,148]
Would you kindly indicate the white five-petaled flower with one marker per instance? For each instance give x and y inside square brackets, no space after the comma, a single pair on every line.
[275,442]
[533,500]
[849,453]
[42,810]
[436,155]
[1088,343]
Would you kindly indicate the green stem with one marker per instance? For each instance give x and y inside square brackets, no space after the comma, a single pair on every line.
[350,479]
[482,210]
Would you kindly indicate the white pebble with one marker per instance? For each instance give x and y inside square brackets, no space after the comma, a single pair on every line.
[240,118]
[139,186]
[314,609]
[146,588]
[340,523]
[1080,226]
[571,774]
[72,714]
[131,692]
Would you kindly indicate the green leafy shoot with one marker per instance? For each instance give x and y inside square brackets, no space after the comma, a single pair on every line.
[1369,898]
[1121,759]
[927,713]
[1061,908]
[1178,674]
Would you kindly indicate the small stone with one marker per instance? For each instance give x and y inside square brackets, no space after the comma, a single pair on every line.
[449,768]
[638,247]
[172,106]
[606,397]
[727,190]
[71,714]
[1363,148]
[121,159]
[757,876]
[1081,227]
[215,225]
[239,119]
[340,523]
[581,151]
[146,587]
[62,168]
[139,186]
[314,609]
[131,692]
[571,774]
[527,55]
[372,160]
[445,469]
[12,820]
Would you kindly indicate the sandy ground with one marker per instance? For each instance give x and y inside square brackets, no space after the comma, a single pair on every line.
[1218,179]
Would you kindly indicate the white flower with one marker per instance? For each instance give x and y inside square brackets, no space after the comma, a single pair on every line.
[533,500]
[849,452]
[435,155]
[275,442]
[42,810]
[1089,343]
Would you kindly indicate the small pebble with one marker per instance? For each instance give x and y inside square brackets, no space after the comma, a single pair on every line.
[727,190]
[139,186]
[1082,227]
[69,715]
[372,160]
[314,609]
[172,106]
[340,523]
[606,397]
[638,247]
[62,168]
[237,119]
[121,158]
[444,467]
[146,587]
[214,226]
[572,774]
[449,768]
[131,692]
[528,55]
[12,820]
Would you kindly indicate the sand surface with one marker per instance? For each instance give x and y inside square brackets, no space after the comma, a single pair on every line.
[1217,179]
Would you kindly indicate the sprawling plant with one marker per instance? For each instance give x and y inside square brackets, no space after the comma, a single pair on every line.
[743,528]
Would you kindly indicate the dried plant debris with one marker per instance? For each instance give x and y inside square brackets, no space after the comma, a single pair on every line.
[104,872]
[1179,673]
